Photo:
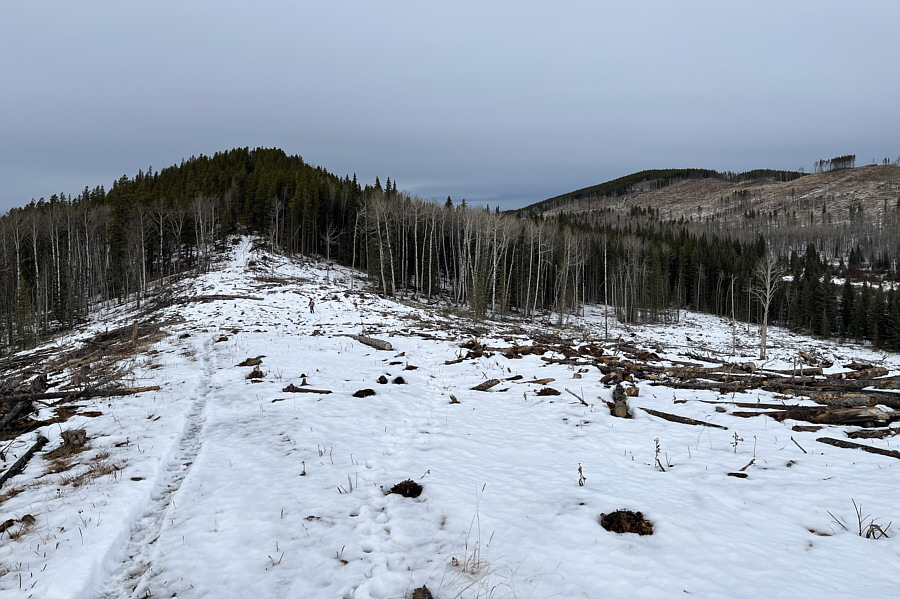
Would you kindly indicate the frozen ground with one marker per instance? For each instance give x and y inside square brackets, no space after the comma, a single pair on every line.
[217,486]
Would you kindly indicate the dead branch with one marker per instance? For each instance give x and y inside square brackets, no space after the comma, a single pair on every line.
[576,396]
[682,419]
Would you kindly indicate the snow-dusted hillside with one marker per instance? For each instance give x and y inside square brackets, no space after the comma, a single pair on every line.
[217,485]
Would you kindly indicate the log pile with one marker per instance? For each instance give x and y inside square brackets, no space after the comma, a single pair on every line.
[847,398]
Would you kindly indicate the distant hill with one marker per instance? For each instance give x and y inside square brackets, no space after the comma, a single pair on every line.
[831,197]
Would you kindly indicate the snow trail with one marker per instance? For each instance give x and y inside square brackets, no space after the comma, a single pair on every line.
[132,576]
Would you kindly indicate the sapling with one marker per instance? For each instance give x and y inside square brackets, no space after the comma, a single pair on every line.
[658,463]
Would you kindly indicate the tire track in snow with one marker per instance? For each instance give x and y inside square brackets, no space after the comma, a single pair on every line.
[130,579]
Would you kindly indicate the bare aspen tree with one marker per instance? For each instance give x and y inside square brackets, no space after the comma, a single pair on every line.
[204,212]
[768,276]
[360,212]
[276,216]
[175,219]
[329,238]
[569,260]
[605,289]
[159,222]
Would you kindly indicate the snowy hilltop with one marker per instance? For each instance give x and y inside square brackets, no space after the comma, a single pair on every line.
[229,438]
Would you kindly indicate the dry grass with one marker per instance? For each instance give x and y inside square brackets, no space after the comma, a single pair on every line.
[98,466]
[64,451]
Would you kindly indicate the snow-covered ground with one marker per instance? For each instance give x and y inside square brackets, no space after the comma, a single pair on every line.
[220,486]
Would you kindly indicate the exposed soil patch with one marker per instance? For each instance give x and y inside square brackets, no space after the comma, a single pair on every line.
[622,521]
[408,488]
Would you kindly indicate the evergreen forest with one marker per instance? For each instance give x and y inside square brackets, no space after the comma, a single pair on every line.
[63,257]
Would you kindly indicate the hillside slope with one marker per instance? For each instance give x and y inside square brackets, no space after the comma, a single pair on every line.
[220,485]
[871,187]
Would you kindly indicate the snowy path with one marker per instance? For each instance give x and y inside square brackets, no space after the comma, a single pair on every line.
[132,577]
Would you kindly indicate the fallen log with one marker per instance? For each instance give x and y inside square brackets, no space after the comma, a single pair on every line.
[814,371]
[19,409]
[880,433]
[748,404]
[888,382]
[294,389]
[22,461]
[486,385]
[887,398]
[865,417]
[858,398]
[682,419]
[83,394]
[372,342]
[844,399]
[893,453]
[215,298]
[866,373]
[619,406]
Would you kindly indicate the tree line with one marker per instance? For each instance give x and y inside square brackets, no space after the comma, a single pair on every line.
[836,163]
[62,258]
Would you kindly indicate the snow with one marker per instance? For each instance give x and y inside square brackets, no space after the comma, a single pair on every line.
[232,488]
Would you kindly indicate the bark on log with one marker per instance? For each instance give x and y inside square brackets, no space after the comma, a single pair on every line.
[22,461]
[851,445]
[372,342]
[682,419]
[888,382]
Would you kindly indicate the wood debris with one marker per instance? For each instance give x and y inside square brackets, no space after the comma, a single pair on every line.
[486,385]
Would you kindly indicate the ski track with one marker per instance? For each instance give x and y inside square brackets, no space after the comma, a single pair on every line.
[132,577]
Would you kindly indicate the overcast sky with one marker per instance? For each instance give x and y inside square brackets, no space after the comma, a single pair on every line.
[497,102]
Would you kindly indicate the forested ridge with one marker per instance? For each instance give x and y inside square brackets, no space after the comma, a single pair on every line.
[656,178]
[62,257]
